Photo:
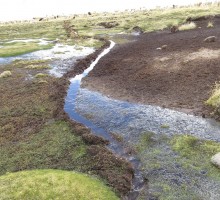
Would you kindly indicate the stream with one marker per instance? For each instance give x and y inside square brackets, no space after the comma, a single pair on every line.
[104,116]
[115,146]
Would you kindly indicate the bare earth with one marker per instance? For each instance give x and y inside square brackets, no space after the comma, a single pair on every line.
[180,76]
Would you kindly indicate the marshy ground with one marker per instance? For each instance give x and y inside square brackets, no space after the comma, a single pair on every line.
[176,71]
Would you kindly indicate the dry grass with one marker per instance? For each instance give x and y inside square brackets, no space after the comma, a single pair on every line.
[210,25]
[5,74]
[188,26]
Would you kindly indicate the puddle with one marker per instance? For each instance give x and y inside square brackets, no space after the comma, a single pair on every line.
[61,56]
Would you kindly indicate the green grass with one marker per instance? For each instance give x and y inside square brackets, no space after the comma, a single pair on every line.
[52,184]
[196,154]
[55,146]
[87,26]
[19,48]
[214,99]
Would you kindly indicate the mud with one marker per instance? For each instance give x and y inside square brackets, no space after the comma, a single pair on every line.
[180,76]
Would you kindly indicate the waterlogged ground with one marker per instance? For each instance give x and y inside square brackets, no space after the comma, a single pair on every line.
[60,57]
[155,133]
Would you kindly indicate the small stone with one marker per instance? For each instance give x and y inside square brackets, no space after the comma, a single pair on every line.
[216,160]
[164,46]
[159,48]
[210,39]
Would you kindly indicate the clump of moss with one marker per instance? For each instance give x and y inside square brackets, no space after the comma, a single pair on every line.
[196,153]
[214,99]
[5,74]
[146,139]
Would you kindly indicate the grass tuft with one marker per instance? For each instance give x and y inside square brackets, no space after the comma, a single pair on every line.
[210,25]
[187,26]
[5,74]
[40,75]
[214,99]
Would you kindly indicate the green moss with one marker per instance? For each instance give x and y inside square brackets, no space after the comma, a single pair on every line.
[214,99]
[146,139]
[196,154]
[52,184]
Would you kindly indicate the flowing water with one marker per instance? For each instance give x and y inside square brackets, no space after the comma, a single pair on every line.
[115,146]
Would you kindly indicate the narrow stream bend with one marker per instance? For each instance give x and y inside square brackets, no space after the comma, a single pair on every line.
[115,146]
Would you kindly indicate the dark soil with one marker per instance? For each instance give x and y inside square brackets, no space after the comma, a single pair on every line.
[180,75]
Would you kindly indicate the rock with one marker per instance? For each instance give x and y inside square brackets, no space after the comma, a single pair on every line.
[137,29]
[164,46]
[210,39]
[174,29]
[216,160]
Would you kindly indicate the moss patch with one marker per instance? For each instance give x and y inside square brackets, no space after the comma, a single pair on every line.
[196,154]
[52,184]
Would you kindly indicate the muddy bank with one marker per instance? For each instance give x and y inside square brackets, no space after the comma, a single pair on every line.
[179,76]
[115,170]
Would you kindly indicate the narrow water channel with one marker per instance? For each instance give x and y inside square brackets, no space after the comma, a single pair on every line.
[115,146]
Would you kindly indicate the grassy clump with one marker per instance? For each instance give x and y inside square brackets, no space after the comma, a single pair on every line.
[52,184]
[5,74]
[187,26]
[146,139]
[210,25]
[21,63]
[196,154]
[38,67]
[19,48]
[40,75]
[214,99]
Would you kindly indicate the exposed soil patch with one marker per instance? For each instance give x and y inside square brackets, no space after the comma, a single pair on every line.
[179,76]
